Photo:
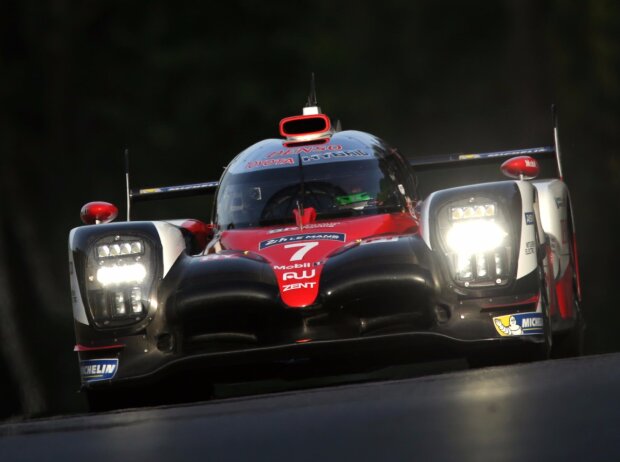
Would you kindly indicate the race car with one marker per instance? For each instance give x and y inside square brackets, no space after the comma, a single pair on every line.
[324,243]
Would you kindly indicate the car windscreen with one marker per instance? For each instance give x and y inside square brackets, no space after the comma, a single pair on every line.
[334,189]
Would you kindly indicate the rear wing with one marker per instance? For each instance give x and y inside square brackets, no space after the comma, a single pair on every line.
[167,192]
[164,192]
[456,170]
[420,163]
[542,153]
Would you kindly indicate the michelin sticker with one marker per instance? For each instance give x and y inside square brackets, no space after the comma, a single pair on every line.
[92,370]
[519,324]
[301,238]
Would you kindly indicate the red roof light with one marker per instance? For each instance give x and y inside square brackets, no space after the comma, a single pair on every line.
[521,168]
[95,213]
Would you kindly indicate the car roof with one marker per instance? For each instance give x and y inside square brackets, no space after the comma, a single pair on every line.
[340,147]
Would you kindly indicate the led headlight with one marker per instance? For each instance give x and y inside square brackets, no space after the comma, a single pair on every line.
[475,211]
[120,249]
[474,234]
[121,275]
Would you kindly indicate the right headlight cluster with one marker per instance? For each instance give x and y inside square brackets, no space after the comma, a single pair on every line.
[120,272]
[476,240]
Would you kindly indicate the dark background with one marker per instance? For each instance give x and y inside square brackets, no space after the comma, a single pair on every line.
[186,85]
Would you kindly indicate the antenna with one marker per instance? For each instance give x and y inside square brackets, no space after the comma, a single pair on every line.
[312,106]
[127,191]
[312,96]
[556,139]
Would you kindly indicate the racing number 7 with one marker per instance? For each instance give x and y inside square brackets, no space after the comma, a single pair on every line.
[304,248]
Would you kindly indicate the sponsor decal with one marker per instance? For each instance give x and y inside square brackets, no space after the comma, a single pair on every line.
[302,238]
[296,266]
[342,155]
[529,218]
[519,324]
[270,162]
[98,369]
[299,275]
[559,202]
[217,256]
[380,240]
[298,285]
[530,247]
[183,187]
[309,226]
[305,150]
[302,249]
[469,156]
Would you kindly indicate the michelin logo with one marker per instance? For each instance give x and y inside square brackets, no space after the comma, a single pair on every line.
[301,238]
[519,324]
[98,369]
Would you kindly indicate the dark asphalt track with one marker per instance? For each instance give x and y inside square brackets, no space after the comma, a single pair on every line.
[555,410]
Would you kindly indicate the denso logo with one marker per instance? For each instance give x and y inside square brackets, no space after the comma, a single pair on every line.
[295,275]
[295,266]
[298,285]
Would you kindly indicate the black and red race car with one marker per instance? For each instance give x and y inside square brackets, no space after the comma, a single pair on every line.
[328,242]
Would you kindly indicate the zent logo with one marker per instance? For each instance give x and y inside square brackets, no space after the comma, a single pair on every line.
[299,285]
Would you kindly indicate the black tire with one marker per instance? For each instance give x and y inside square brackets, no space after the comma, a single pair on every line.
[570,344]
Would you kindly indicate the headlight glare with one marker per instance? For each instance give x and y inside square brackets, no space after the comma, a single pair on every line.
[476,236]
[121,278]
[121,274]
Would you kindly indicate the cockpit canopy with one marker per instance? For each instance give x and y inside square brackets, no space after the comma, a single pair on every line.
[351,174]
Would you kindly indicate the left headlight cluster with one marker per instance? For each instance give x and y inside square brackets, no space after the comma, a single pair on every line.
[120,274]
[476,240]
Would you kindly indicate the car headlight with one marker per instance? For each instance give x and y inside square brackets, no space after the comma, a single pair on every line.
[121,271]
[119,274]
[475,237]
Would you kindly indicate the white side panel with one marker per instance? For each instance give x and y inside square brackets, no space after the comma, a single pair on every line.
[554,200]
[527,248]
[172,244]
[79,312]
